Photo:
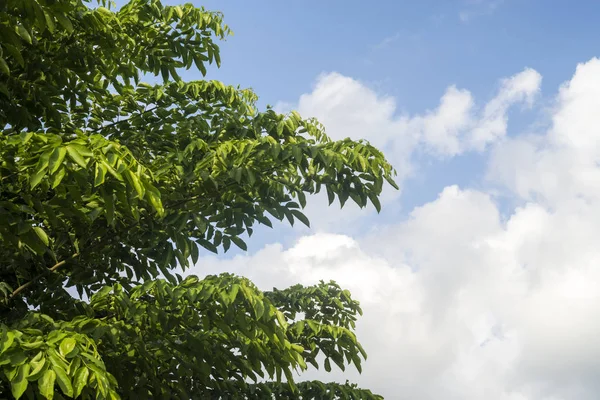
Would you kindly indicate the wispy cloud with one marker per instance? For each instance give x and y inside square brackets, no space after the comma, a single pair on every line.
[387,41]
[477,8]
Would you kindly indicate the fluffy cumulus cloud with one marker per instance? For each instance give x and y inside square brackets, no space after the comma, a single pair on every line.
[462,301]
[559,165]
[350,108]
[458,125]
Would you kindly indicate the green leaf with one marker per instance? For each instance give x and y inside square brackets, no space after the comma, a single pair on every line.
[194,252]
[136,183]
[111,170]
[74,153]
[55,358]
[32,345]
[217,58]
[281,319]
[100,174]
[4,90]
[32,240]
[15,53]
[109,206]
[259,309]
[233,293]
[327,365]
[58,177]
[10,372]
[63,380]
[42,235]
[134,178]
[361,350]
[37,177]
[179,11]
[64,21]
[302,199]
[280,127]
[24,33]
[4,67]
[40,20]
[392,182]
[297,153]
[18,358]
[200,65]
[25,137]
[153,196]
[46,384]
[207,245]
[299,327]
[313,326]
[330,195]
[49,21]
[375,201]
[239,243]
[56,159]
[264,220]
[19,383]
[251,176]
[238,175]
[164,70]
[7,341]
[80,380]
[226,243]
[36,368]
[67,346]
[301,217]
[81,149]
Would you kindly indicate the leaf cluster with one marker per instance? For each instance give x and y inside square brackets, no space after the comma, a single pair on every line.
[109,184]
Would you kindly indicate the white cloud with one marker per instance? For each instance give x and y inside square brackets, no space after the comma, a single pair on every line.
[440,128]
[520,88]
[461,303]
[455,127]
[349,108]
[457,304]
[559,165]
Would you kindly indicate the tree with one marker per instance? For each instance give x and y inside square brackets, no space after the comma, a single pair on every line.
[108,185]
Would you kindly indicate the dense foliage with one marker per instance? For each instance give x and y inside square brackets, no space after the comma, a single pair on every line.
[108,183]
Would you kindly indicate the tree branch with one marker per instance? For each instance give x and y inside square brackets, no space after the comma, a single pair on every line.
[51,269]
[63,262]
[197,196]
[100,128]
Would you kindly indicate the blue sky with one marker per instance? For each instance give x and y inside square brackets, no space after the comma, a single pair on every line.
[406,49]
[480,279]
[411,50]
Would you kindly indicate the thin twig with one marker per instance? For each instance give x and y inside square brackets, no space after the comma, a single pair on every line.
[51,269]
[100,128]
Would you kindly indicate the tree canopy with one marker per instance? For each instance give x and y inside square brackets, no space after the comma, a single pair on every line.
[110,185]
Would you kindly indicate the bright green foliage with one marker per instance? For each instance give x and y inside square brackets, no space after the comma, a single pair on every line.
[107,182]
